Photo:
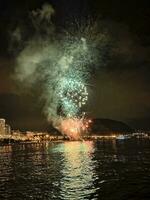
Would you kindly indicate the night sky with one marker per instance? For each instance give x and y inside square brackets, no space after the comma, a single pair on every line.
[120,89]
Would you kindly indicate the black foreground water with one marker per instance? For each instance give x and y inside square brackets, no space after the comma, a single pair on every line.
[106,170]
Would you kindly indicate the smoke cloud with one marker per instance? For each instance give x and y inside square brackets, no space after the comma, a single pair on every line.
[60,64]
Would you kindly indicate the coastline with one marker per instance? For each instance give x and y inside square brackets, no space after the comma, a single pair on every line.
[10,139]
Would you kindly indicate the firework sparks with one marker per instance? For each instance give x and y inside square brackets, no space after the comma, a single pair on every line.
[61,67]
[73,95]
[74,128]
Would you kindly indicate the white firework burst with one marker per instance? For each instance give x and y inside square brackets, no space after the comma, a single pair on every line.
[73,95]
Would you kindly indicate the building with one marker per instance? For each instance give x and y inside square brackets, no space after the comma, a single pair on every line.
[2,126]
[5,129]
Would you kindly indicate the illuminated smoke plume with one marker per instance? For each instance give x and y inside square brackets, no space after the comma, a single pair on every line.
[75,128]
[61,63]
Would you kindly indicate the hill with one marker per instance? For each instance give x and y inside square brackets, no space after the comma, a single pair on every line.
[102,126]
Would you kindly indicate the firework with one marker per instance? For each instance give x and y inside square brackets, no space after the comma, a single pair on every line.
[74,128]
[73,95]
[61,67]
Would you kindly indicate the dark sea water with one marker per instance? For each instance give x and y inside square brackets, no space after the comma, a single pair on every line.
[105,170]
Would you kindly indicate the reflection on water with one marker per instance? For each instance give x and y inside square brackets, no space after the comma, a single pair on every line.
[78,170]
[107,170]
